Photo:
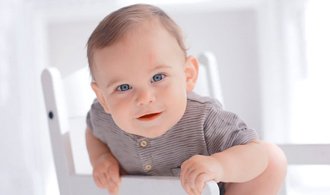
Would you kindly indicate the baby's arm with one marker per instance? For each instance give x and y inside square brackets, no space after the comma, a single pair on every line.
[239,163]
[105,166]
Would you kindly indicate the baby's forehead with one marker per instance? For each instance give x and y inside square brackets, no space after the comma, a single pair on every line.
[148,25]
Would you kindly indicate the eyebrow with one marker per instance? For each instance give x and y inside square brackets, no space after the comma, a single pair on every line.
[160,67]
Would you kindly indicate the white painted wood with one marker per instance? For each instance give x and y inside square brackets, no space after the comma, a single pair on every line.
[209,76]
[307,154]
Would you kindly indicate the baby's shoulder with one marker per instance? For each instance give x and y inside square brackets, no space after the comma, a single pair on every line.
[97,110]
[96,106]
[206,102]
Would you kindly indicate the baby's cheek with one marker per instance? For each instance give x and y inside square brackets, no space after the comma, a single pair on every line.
[119,114]
[173,88]
[122,122]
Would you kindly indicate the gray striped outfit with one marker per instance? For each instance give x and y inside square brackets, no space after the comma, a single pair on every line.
[204,129]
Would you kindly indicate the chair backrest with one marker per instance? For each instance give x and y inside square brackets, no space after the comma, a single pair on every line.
[208,82]
[60,136]
[67,101]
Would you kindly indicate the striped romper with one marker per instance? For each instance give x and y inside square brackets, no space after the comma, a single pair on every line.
[204,129]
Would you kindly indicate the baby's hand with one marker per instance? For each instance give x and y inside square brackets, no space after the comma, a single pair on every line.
[106,173]
[197,170]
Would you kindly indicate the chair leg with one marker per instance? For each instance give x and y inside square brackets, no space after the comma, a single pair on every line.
[283,190]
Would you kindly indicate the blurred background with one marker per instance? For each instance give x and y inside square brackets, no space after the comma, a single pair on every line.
[273,58]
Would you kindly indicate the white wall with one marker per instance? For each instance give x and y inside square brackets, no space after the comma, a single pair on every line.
[24,143]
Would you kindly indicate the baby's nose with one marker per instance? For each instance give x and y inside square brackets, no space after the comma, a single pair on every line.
[145,97]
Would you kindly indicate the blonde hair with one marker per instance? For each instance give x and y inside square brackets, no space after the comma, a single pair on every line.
[116,25]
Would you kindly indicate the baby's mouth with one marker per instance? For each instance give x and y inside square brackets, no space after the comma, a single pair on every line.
[149,117]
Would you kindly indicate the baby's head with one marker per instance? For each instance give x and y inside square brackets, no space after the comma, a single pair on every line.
[141,73]
[123,21]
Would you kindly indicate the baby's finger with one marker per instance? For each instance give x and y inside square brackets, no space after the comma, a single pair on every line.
[194,191]
[113,173]
[183,181]
[103,179]
[113,176]
[100,181]
[183,173]
[188,190]
[97,181]
[113,188]
[201,180]
[112,184]
[192,174]
[188,184]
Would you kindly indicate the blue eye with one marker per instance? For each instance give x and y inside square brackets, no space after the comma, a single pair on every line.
[123,87]
[158,77]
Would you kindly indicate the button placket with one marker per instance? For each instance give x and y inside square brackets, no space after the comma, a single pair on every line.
[143,143]
[144,150]
[147,167]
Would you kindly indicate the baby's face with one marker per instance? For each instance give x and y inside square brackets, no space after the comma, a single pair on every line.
[142,81]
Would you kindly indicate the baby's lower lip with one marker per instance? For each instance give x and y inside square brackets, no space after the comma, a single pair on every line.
[149,117]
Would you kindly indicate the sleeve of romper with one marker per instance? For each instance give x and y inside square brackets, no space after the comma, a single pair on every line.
[94,120]
[88,120]
[224,129]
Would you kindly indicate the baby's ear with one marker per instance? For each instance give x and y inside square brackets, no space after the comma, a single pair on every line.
[100,97]
[191,71]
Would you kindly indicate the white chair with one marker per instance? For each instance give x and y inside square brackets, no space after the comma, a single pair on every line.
[67,102]
[208,82]
[305,154]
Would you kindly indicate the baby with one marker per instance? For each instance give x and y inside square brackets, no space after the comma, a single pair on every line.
[147,121]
